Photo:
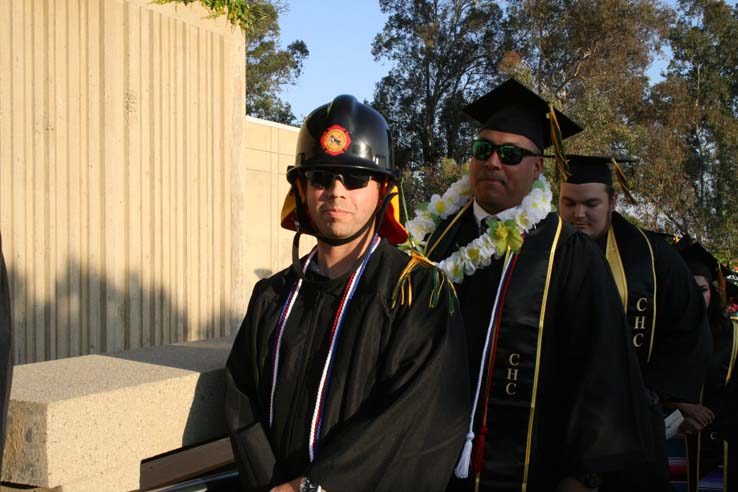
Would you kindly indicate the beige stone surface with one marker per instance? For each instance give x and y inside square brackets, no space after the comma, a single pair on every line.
[73,422]
[122,122]
[257,135]
[118,479]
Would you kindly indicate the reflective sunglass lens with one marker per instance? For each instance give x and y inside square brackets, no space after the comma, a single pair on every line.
[510,154]
[482,150]
[507,153]
[354,181]
[325,179]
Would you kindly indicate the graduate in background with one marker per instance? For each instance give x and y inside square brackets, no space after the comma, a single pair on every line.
[556,388]
[665,311]
[349,372]
[6,350]
[712,424]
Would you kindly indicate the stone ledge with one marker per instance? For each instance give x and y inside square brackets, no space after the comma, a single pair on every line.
[75,423]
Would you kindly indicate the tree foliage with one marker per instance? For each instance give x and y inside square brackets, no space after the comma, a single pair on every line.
[441,55]
[268,67]
[418,185]
[590,57]
[245,14]
[693,116]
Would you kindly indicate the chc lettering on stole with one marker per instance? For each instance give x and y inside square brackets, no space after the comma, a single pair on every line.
[511,386]
[640,322]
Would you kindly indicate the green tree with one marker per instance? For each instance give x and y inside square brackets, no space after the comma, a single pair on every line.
[696,108]
[241,13]
[269,68]
[442,52]
[589,57]
[420,184]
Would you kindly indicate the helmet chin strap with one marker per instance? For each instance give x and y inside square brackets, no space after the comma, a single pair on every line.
[377,216]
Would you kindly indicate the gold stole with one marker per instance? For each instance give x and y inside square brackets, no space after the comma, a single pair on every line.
[612,253]
[635,277]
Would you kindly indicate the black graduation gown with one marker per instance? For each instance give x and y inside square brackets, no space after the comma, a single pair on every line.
[673,353]
[719,396]
[6,351]
[682,342]
[397,403]
[590,399]
[717,444]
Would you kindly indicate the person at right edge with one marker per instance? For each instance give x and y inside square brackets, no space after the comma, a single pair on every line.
[665,311]
[711,426]
[6,350]
[557,394]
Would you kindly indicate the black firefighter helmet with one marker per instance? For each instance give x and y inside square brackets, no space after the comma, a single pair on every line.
[344,134]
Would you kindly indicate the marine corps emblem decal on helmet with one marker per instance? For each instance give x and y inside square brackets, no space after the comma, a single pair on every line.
[335,140]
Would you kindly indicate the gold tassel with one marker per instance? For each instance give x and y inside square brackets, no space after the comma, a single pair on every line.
[562,164]
[398,293]
[620,175]
[403,291]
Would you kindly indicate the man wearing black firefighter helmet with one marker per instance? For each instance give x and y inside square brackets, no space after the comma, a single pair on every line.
[349,370]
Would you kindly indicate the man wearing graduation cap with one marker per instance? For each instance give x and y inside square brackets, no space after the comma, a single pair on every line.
[556,389]
[349,371]
[665,311]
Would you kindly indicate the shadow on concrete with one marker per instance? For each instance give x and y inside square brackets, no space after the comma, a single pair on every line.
[84,311]
[87,314]
[263,272]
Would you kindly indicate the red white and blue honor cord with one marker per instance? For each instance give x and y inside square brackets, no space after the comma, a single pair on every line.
[281,322]
[325,379]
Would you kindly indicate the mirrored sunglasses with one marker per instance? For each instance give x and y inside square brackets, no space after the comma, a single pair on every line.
[508,153]
[352,180]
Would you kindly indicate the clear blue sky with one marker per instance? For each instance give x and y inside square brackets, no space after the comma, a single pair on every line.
[339,36]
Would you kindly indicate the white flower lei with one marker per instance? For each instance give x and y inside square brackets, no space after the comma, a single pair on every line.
[504,231]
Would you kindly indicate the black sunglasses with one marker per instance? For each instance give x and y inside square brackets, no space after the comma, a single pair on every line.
[352,180]
[508,153]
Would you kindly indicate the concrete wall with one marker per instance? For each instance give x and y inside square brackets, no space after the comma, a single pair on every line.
[268,149]
[138,205]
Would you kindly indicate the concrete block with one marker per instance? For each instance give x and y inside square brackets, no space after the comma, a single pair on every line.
[86,423]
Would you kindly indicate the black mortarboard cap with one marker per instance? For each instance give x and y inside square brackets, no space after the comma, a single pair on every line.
[698,259]
[596,169]
[591,169]
[513,108]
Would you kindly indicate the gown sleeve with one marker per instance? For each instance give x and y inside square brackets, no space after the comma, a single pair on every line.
[720,397]
[251,447]
[606,421]
[408,433]
[682,343]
